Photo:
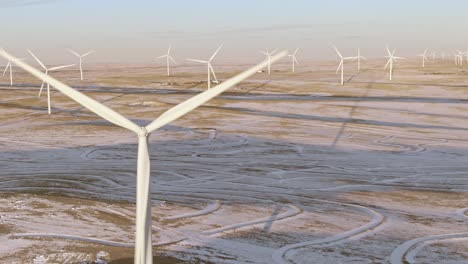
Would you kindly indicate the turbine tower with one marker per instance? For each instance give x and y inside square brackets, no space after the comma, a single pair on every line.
[294,60]
[268,54]
[391,58]
[10,66]
[47,70]
[341,65]
[168,59]
[210,67]
[424,58]
[81,60]
[143,243]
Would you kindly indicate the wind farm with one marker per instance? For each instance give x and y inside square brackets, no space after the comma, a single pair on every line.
[306,153]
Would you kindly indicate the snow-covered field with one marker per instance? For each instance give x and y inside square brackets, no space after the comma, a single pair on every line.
[301,170]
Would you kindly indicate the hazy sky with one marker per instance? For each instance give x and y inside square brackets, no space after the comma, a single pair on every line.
[138,31]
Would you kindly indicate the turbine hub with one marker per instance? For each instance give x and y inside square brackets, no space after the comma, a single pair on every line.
[143,132]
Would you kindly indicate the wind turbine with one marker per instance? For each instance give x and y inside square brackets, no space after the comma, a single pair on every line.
[44,79]
[424,58]
[294,59]
[168,59]
[341,65]
[81,59]
[143,239]
[10,66]
[359,57]
[391,58]
[268,54]
[210,67]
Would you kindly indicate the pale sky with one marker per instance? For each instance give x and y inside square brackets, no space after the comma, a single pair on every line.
[138,31]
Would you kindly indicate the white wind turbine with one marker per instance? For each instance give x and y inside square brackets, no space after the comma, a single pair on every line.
[47,70]
[210,67]
[81,59]
[391,58]
[10,66]
[424,58]
[341,65]
[358,58]
[294,60]
[168,59]
[268,54]
[143,243]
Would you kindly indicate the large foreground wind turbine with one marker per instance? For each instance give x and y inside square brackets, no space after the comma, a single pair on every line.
[294,60]
[168,59]
[47,70]
[268,54]
[391,58]
[10,66]
[210,68]
[81,59]
[424,58]
[143,243]
[341,65]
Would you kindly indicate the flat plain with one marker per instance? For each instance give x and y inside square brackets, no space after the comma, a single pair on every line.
[286,168]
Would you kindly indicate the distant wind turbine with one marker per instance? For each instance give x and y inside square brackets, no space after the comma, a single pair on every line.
[168,59]
[47,70]
[10,66]
[341,65]
[268,54]
[143,239]
[81,60]
[294,60]
[424,58]
[210,67]
[358,58]
[391,58]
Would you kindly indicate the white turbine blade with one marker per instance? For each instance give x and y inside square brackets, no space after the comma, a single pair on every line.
[212,71]
[295,59]
[349,58]
[295,52]
[162,56]
[216,52]
[401,58]
[388,62]
[273,52]
[363,58]
[266,54]
[388,50]
[6,68]
[76,54]
[40,63]
[339,54]
[194,102]
[93,105]
[87,53]
[339,66]
[172,59]
[199,61]
[61,67]
[169,49]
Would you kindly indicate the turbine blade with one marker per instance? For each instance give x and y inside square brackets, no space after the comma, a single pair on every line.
[266,54]
[6,68]
[273,52]
[32,54]
[295,52]
[61,67]
[172,59]
[93,105]
[194,102]
[169,49]
[199,61]
[339,54]
[216,52]
[87,53]
[388,62]
[212,71]
[160,57]
[340,65]
[76,54]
